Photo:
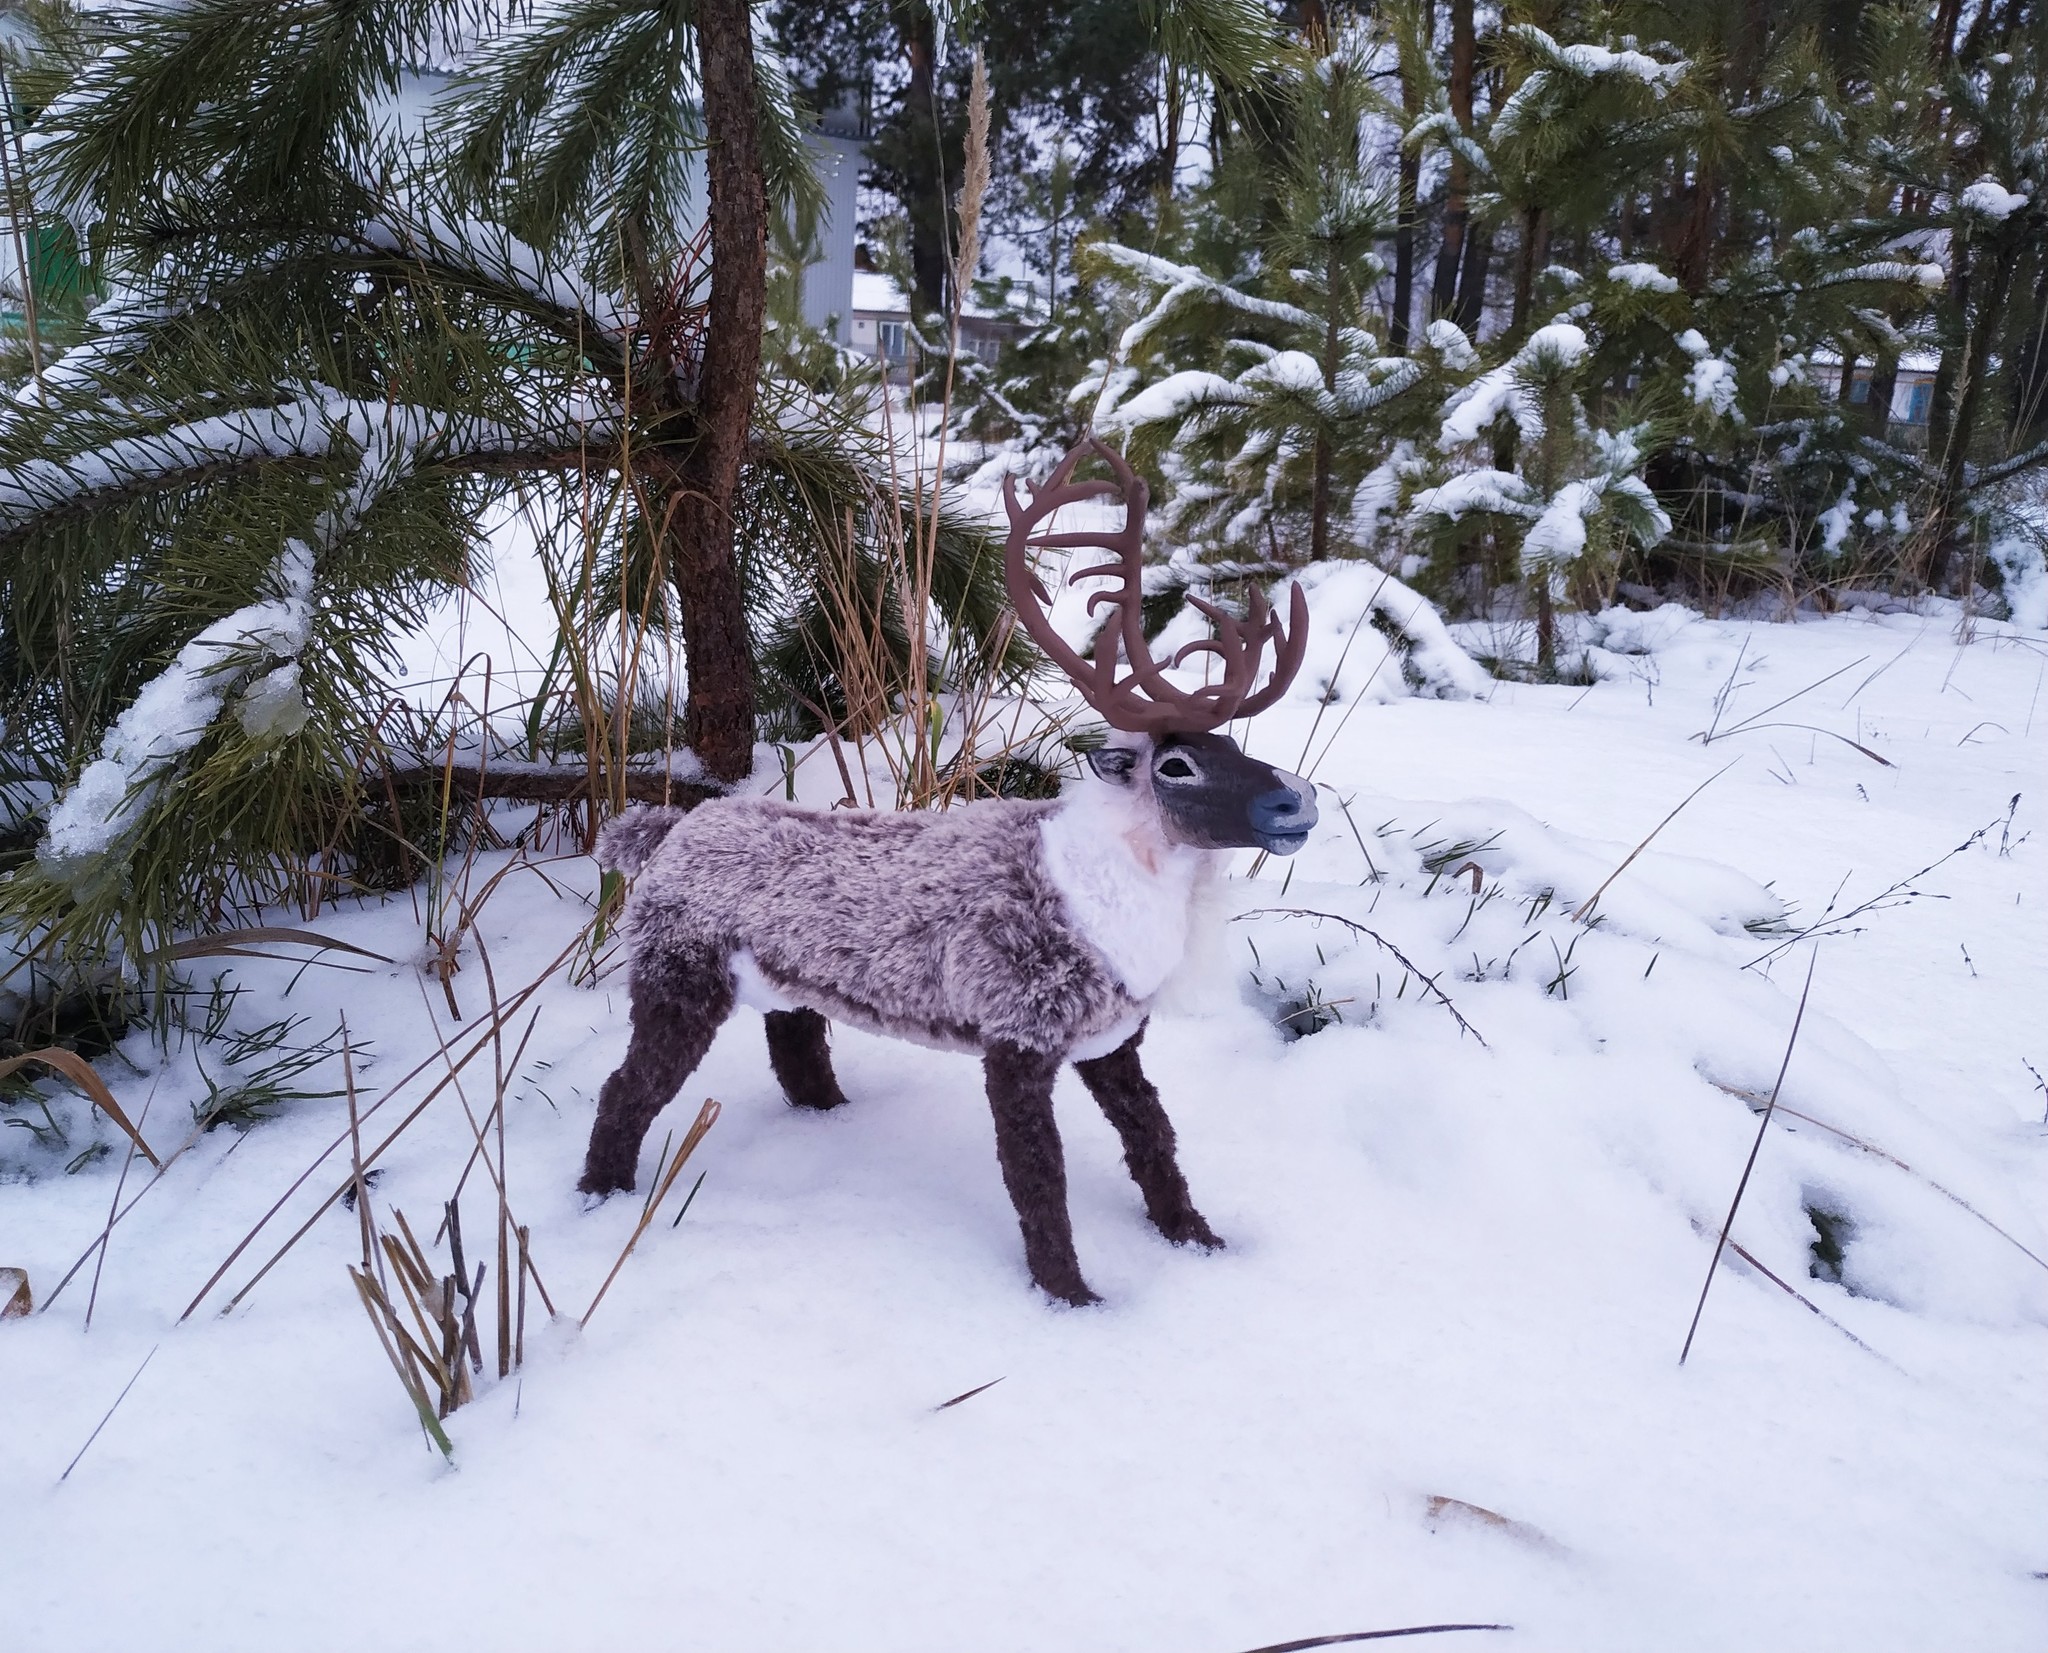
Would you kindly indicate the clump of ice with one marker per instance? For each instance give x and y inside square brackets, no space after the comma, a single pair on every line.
[1348,663]
[1559,535]
[1559,344]
[2020,561]
[1837,519]
[1645,278]
[174,709]
[1988,198]
[1712,384]
[1626,631]
[274,706]
[1448,340]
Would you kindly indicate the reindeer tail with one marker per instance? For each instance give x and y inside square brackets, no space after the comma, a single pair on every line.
[628,842]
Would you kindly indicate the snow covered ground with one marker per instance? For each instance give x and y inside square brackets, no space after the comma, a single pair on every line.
[1433,1379]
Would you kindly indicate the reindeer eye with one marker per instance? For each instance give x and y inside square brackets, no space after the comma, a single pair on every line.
[1177,769]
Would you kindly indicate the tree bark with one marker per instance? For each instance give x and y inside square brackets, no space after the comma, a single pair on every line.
[1967,397]
[1405,214]
[1472,273]
[1457,210]
[926,206]
[697,495]
[1319,497]
[1535,238]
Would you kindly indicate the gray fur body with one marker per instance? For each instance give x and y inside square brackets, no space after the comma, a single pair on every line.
[1034,933]
[946,930]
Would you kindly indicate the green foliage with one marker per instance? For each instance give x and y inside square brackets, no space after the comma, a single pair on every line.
[340,347]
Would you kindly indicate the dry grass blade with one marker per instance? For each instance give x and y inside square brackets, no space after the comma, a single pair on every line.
[355,1147]
[1756,1147]
[516,1003]
[1894,894]
[235,942]
[109,1418]
[1408,964]
[707,1116]
[1373,1636]
[1442,1509]
[114,1213]
[481,1150]
[80,1072]
[957,1399]
[1586,906]
[1812,729]
[385,1324]
[1855,1141]
[1707,737]
[1802,1299]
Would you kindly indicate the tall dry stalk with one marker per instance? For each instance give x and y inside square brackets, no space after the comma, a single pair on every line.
[917,590]
[937,721]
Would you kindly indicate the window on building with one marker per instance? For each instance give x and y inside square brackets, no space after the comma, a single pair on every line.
[895,340]
[1859,389]
[1918,400]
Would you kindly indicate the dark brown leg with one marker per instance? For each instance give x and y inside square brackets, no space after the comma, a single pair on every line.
[1034,1170]
[801,1058]
[678,1006]
[1126,1097]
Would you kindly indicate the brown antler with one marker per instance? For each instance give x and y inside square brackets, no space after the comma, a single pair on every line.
[1161,708]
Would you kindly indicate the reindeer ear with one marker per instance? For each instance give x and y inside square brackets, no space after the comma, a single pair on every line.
[1113,763]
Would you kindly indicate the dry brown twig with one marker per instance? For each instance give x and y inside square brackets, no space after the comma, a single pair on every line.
[1749,1165]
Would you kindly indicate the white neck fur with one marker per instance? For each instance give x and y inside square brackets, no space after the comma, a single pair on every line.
[1128,888]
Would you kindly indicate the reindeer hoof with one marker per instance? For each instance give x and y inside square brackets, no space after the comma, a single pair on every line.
[1192,1230]
[596,1188]
[1073,1292]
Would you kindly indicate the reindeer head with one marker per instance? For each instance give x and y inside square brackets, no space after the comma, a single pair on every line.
[1209,794]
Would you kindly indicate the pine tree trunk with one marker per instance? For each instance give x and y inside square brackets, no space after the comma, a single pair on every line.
[1695,255]
[1319,498]
[1546,628]
[926,207]
[1410,174]
[1319,503]
[1884,385]
[1946,16]
[1404,257]
[701,484]
[1457,211]
[1443,291]
[1535,238]
[1472,274]
[1959,423]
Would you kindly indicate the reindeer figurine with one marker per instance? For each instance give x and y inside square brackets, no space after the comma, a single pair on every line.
[1033,933]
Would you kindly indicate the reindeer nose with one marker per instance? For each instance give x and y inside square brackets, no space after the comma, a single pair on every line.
[1282,818]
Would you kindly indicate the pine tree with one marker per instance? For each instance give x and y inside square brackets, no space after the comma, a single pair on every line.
[1266,392]
[336,347]
[1576,497]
